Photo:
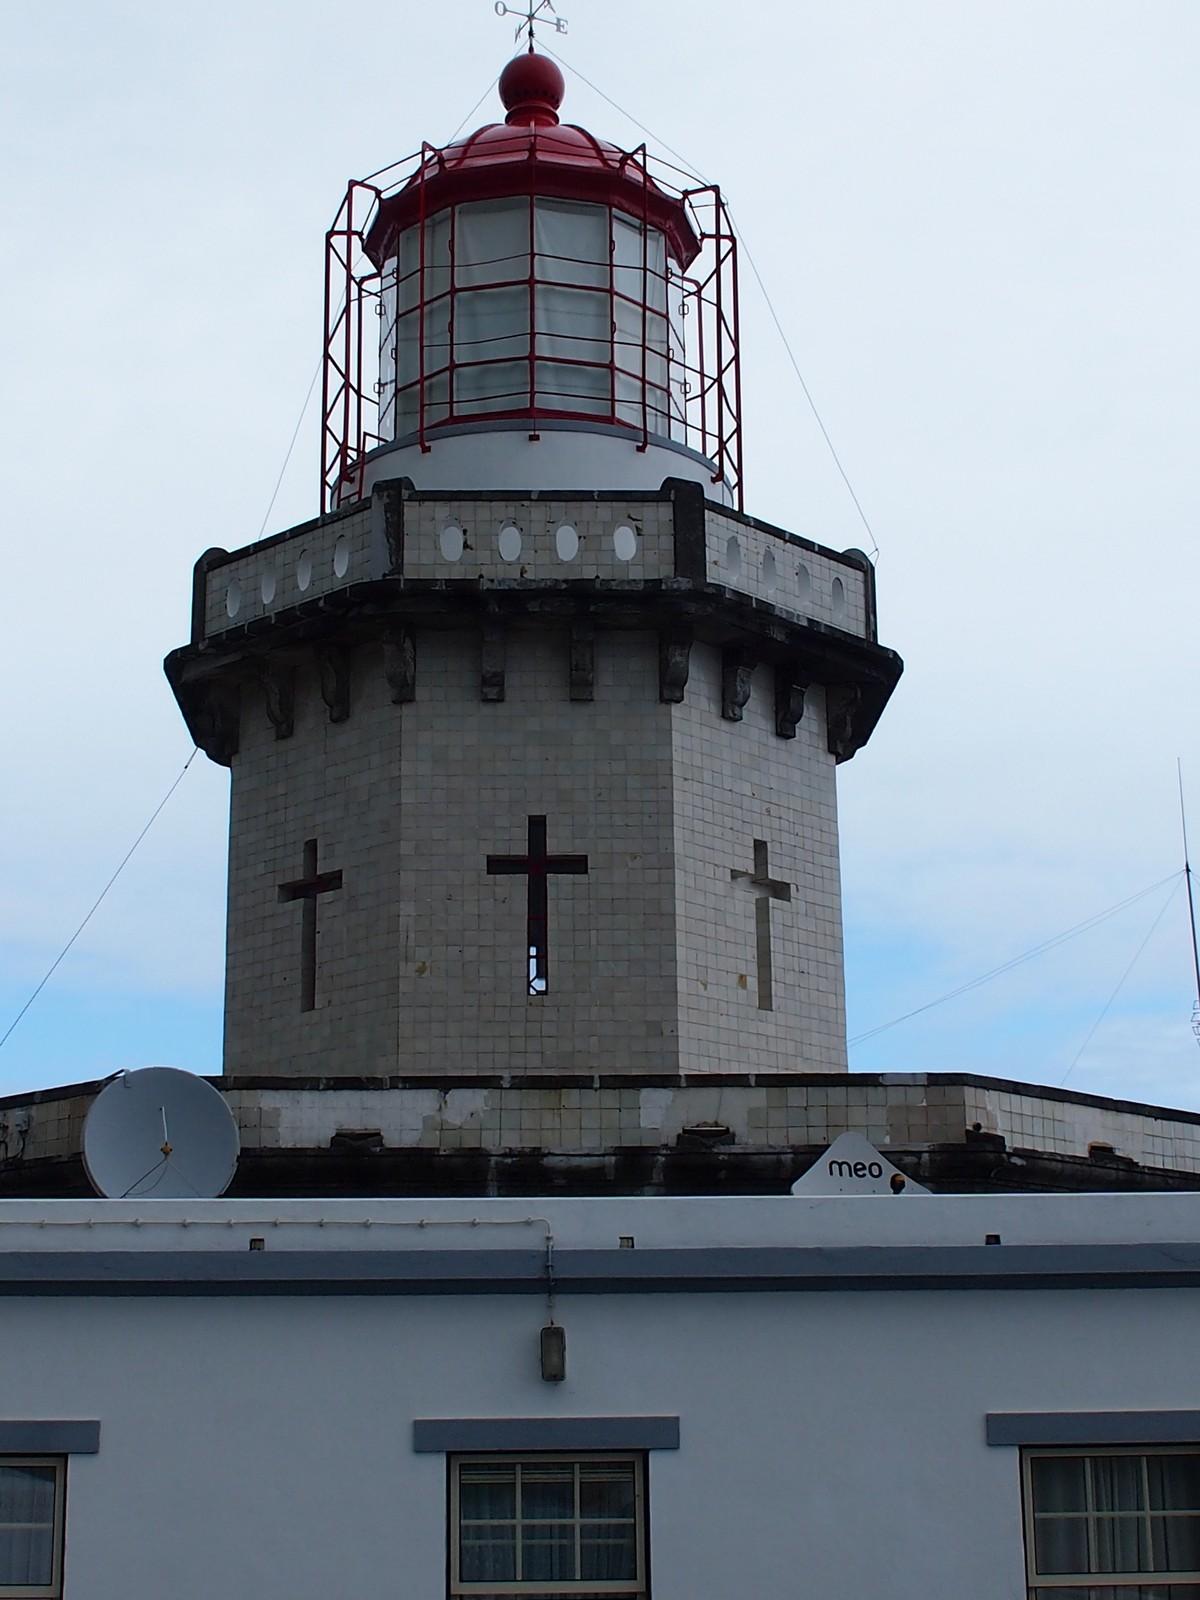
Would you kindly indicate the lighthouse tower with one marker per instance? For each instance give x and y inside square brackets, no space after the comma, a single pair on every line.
[532,731]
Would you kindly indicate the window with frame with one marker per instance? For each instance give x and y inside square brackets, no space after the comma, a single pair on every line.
[561,1527]
[31,1526]
[1113,1524]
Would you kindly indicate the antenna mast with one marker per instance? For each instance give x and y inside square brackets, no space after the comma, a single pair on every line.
[1187,878]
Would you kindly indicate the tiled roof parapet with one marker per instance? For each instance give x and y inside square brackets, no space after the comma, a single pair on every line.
[962,1130]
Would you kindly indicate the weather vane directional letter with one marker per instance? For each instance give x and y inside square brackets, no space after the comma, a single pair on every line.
[536,11]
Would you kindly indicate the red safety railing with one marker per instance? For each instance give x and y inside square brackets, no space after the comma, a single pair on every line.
[698,405]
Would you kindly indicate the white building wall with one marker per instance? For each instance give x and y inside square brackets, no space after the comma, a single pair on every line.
[831,1444]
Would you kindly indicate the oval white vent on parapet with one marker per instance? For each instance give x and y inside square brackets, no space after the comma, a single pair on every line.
[451,542]
[624,542]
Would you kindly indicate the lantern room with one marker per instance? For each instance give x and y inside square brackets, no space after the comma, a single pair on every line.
[531,308]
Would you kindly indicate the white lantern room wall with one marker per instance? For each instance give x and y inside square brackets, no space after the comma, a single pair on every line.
[530,304]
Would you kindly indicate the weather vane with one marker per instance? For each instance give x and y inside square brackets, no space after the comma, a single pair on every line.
[535,12]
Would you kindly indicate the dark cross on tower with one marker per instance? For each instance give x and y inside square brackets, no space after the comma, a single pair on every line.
[307,889]
[765,889]
[537,866]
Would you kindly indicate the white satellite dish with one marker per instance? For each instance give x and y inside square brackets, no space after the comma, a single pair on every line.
[159,1133]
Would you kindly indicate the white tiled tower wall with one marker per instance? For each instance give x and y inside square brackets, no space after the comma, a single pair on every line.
[736,782]
[421,964]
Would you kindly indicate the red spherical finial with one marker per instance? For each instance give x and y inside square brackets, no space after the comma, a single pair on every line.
[532,87]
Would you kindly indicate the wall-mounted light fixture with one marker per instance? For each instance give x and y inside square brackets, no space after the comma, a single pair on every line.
[554,1353]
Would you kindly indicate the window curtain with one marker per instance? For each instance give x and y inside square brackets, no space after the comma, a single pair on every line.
[402,352]
[27,1525]
[388,309]
[487,1509]
[569,1529]
[1118,1514]
[1173,1486]
[640,277]
[571,265]
[491,242]
[491,324]
[607,1523]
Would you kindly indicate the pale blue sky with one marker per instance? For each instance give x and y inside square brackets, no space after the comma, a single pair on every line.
[978,225]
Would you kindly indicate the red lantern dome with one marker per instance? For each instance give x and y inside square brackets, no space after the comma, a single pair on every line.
[532,152]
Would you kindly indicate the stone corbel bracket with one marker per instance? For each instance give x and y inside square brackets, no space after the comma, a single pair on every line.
[400,664]
[492,661]
[581,684]
[674,664]
[279,690]
[333,667]
[790,689]
[737,680]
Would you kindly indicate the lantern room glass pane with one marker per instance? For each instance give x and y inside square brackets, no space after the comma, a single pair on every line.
[564,387]
[491,325]
[473,297]
[631,334]
[572,243]
[499,386]
[639,262]
[573,328]
[573,324]
[415,287]
[437,359]
[491,242]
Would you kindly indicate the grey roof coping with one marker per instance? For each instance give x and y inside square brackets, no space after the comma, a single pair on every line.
[585,1271]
